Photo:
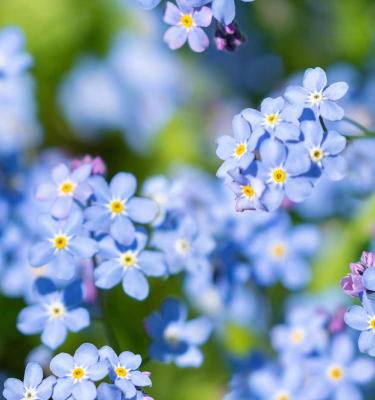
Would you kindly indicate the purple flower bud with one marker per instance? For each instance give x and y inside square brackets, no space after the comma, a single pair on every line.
[352,284]
[337,324]
[357,268]
[368,259]
[228,37]
[98,165]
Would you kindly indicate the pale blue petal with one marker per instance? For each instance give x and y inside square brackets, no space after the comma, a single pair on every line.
[142,210]
[62,364]
[123,185]
[135,284]
[86,355]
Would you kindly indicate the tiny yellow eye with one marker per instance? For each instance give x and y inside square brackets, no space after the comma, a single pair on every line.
[279,175]
[116,206]
[60,242]
[67,188]
[187,20]
[335,373]
[316,154]
[78,373]
[128,259]
[272,119]
[248,191]
[240,149]
[121,372]
[278,250]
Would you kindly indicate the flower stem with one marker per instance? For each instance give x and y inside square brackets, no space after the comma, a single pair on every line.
[109,332]
[366,133]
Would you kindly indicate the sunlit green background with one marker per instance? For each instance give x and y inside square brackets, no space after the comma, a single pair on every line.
[302,32]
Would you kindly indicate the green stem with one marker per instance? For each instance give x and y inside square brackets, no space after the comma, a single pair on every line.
[109,332]
[323,124]
[366,133]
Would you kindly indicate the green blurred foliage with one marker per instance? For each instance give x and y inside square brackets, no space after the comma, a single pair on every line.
[304,33]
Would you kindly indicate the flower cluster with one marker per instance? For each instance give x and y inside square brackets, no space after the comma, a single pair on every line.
[316,361]
[283,150]
[360,282]
[188,17]
[74,377]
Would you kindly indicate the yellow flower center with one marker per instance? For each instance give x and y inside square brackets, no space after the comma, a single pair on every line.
[272,119]
[240,150]
[116,206]
[121,372]
[372,323]
[248,191]
[335,372]
[297,336]
[186,20]
[315,97]
[278,250]
[78,373]
[128,259]
[30,394]
[60,242]
[182,246]
[316,154]
[67,188]
[282,396]
[56,310]
[279,175]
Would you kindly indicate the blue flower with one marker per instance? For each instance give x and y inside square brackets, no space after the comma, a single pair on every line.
[13,59]
[324,149]
[273,383]
[281,168]
[33,387]
[187,26]
[237,151]
[281,252]
[65,187]
[338,374]
[63,246]
[248,191]
[115,207]
[128,264]
[280,120]
[175,339]
[363,319]
[124,371]
[76,374]
[54,314]
[186,247]
[108,391]
[315,94]
[148,4]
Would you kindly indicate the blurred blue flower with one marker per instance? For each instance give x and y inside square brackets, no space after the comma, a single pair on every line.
[13,58]
[63,245]
[186,247]
[54,314]
[75,375]
[115,208]
[128,264]
[315,94]
[174,339]
[187,26]
[338,373]
[148,4]
[124,371]
[282,252]
[33,387]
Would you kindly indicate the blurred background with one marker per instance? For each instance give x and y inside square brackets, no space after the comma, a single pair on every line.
[106,84]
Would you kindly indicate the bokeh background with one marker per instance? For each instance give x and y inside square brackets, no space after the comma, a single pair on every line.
[174,106]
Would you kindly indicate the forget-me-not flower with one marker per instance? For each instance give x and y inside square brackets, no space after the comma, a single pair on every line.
[124,371]
[315,94]
[187,26]
[64,244]
[128,264]
[54,314]
[65,187]
[76,375]
[324,149]
[115,208]
[174,338]
[33,387]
